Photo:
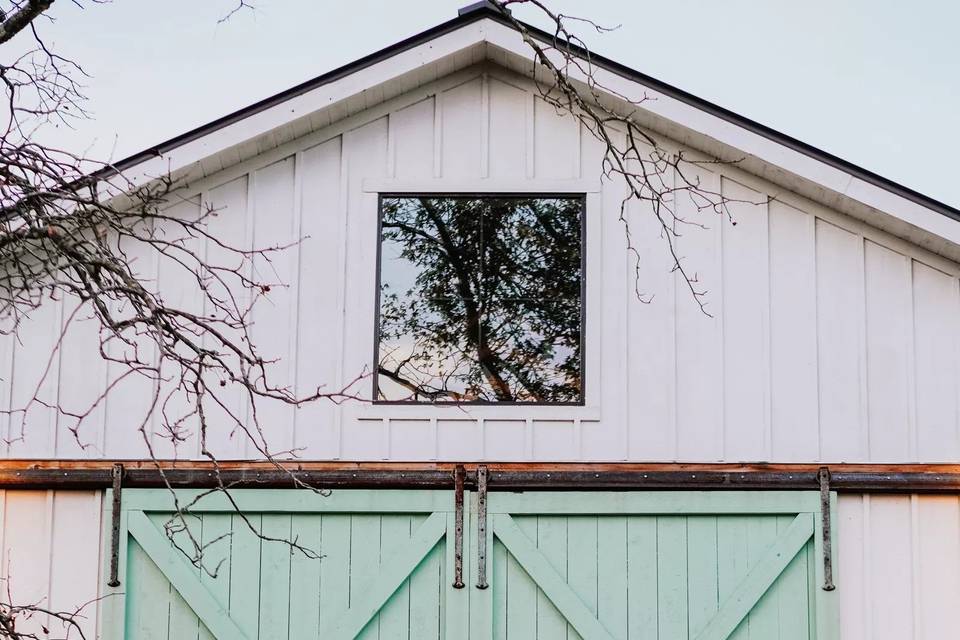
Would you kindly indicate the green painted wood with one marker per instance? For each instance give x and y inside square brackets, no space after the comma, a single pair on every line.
[148,606]
[215,577]
[183,622]
[292,501]
[335,567]
[793,599]
[275,560]
[245,570]
[566,565]
[612,591]
[537,567]
[394,616]
[427,589]
[702,572]
[521,590]
[758,581]
[182,576]
[763,621]
[365,559]
[500,562]
[377,588]
[551,537]
[680,503]
[733,563]
[582,562]
[642,576]
[672,577]
[307,530]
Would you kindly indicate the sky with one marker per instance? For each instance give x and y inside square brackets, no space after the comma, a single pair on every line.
[876,82]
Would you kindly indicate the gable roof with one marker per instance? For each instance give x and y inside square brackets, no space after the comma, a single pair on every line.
[481,24]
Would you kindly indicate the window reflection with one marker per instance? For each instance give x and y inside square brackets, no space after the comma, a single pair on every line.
[480,299]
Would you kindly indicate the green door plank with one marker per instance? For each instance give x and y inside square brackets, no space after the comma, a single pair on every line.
[394,616]
[365,560]
[245,570]
[612,591]
[183,577]
[642,576]
[702,572]
[758,581]
[334,567]
[378,588]
[147,614]
[216,560]
[537,567]
[793,598]
[672,577]
[275,556]
[426,589]
[551,537]
[763,620]
[305,576]
[521,590]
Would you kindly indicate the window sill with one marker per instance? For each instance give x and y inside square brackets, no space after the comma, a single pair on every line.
[370,411]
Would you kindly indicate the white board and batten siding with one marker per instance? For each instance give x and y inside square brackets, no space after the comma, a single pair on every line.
[826,339]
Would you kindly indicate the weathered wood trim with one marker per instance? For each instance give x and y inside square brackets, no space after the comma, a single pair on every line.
[855,478]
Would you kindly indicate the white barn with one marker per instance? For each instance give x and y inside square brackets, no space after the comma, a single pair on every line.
[675,492]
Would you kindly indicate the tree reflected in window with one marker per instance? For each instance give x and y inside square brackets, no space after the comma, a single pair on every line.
[480,299]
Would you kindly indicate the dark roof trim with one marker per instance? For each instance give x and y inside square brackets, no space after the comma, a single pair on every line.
[484,10]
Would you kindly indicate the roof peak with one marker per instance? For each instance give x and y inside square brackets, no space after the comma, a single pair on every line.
[483,5]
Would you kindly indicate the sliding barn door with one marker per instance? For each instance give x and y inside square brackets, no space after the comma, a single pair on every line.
[590,565]
[656,565]
[384,568]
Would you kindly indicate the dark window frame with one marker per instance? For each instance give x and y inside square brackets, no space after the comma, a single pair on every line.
[583,296]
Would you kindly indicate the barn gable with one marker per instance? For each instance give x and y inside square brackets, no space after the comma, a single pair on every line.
[828,339]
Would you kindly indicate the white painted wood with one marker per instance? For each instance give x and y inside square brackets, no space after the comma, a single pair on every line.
[746,326]
[50,555]
[935,335]
[840,333]
[829,339]
[793,334]
[889,333]
[898,566]
[699,337]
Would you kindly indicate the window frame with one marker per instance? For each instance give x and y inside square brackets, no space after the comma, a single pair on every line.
[578,195]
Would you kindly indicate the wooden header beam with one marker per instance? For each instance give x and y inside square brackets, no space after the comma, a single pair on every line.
[855,478]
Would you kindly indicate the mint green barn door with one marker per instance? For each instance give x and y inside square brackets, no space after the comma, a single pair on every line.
[590,565]
[655,565]
[385,568]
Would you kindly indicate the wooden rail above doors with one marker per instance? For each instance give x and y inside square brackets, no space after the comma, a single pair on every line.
[505,476]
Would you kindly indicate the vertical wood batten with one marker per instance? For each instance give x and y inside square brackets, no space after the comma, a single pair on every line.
[794,396]
[745,322]
[700,351]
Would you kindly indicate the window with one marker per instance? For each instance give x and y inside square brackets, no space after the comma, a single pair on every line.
[480,299]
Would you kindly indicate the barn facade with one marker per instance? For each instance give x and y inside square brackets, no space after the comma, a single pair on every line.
[781,465]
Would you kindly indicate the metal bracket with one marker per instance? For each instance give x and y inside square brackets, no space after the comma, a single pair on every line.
[458,477]
[823,475]
[115,527]
[482,527]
